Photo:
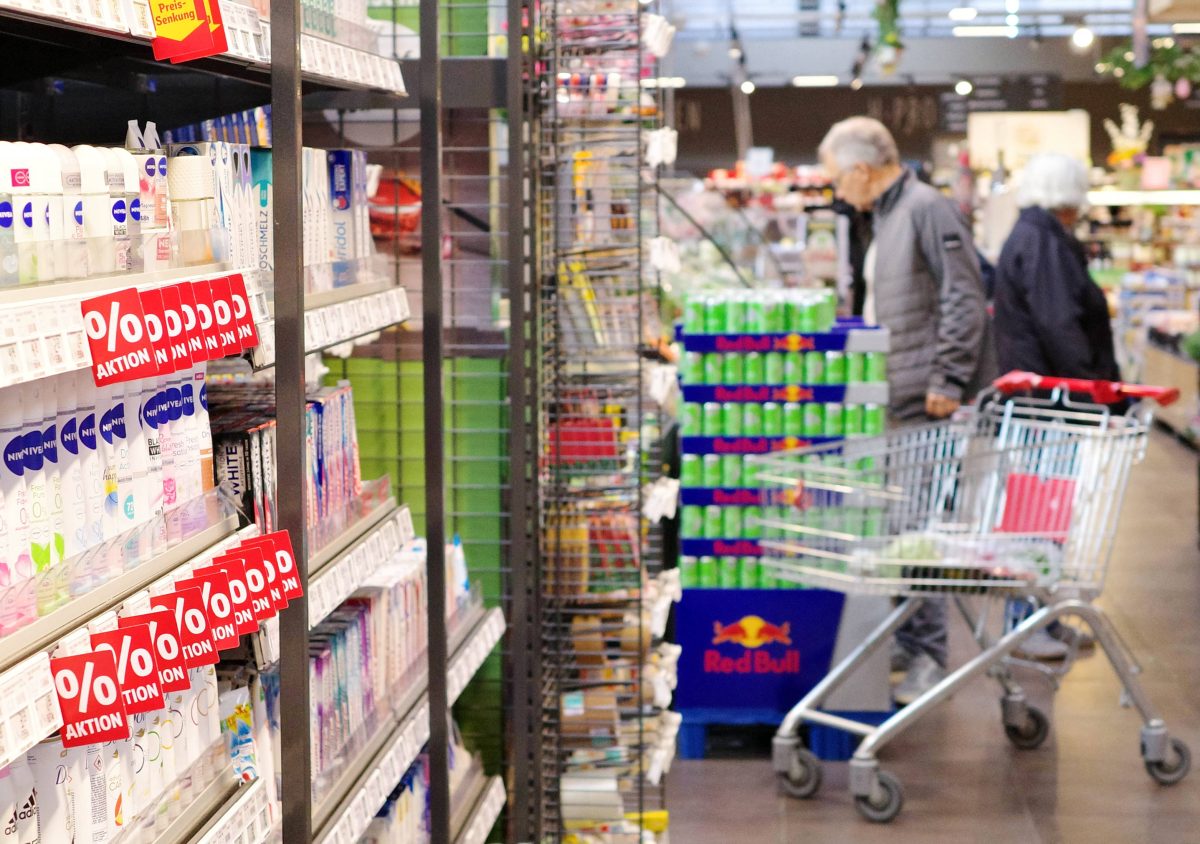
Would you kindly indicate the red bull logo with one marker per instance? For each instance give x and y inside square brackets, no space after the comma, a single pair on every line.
[752,633]
[792,392]
[795,343]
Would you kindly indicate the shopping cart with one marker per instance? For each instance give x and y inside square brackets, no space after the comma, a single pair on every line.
[1015,497]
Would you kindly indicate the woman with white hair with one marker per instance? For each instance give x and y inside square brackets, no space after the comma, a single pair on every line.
[1050,317]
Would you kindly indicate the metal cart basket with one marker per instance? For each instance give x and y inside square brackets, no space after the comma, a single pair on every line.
[1015,497]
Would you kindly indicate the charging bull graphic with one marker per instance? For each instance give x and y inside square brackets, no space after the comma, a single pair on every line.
[752,632]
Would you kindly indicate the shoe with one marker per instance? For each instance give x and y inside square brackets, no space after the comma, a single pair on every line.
[1042,646]
[923,675]
[1070,635]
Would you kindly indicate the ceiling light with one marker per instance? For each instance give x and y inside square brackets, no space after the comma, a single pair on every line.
[748,87]
[963,14]
[1186,28]
[1082,38]
[963,87]
[983,31]
[735,52]
[1012,20]
[815,81]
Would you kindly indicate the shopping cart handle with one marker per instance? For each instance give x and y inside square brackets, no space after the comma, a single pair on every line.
[1104,392]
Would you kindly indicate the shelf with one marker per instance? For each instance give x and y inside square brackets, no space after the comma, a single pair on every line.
[332,551]
[244,817]
[1111,198]
[325,62]
[344,813]
[207,804]
[483,817]
[325,298]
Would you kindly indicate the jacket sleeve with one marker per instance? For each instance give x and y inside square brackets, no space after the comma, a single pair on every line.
[949,252]
[1055,284]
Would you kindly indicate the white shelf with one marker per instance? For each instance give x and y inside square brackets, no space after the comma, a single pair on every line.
[1109,198]
[483,816]
[244,817]
[386,758]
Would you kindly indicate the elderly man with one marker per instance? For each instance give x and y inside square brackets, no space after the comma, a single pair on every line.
[923,283]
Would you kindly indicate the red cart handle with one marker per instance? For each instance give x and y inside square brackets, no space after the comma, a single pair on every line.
[1104,392]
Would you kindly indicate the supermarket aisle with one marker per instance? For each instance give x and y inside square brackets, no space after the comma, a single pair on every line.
[963,781]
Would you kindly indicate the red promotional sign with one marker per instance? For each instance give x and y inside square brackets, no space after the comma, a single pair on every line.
[187,29]
[168,649]
[206,320]
[242,317]
[239,593]
[279,545]
[137,671]
[258,585]
[116,332]
[187,608]
[156,329]
[226,328]
[89,698]
[263,551]
[173,320]
[214,588]
[191,323]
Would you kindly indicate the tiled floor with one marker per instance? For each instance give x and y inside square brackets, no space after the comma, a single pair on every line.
[963,781]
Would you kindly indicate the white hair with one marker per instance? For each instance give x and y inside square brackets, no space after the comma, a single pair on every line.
[1053,181]
[859,140]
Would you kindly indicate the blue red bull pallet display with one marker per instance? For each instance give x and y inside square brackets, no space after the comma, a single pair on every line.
[761,371]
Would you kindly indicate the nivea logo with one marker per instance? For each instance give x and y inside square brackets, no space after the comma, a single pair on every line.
[34,447]
[135,209]
[204,396]
[79,213]
[47,215]
[27,215]
[150,166]
[174,404]
[188,400]
[112,423]
[14,455]
[70,435]
[6,215]
[119,211]
[50,444]
[87,432]
[162,166]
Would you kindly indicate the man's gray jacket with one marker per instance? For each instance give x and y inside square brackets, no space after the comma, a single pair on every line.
[929,293]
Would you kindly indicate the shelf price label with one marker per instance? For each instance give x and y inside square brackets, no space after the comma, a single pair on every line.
[195,636]
[168,649]
[89,698]
[116,330]
[137,670]
[187,29]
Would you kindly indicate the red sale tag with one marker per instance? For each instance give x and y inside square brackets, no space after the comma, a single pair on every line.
[89,698]
[257,585]
[187,608]
[207,321]
[214,587]
[247,332]
[137,670]
[168,650]
[223,316]
[279,546]
[181,36]
[116,332]
[264,553]
[181,357]
[239,593]
[156,329]
[191,323]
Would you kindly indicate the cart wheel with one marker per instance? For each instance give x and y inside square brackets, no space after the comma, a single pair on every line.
[1165,774]
[888,807]
[1030,736]
[803,779]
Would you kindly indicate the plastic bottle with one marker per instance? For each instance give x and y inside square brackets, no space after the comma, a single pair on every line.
[74,232]
[118,208]
[98,230]
[18,180]
[36,477]
[51,454]
[48,182]
[17,571]
[70,460]
[133,202]
[9,263]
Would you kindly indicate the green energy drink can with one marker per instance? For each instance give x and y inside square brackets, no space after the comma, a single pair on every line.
[856,367]
[733,369]
[748,573]
[772,419]
[731,419]
[834,420]
[793,419]
[752,419]
[814,368]
[693,315]
[713,419]
[707,567]
[814,420]
[756,314]
[693,368]
[689,574]
[803,314]
[876,367]
[711,474]
[735,315]
[731,522]
[727,573]
[751,526]
[874,420]
[731,470]
[827,310]
[773,364]
[793,368]
[691,522]
[712,521]
[776,313]
[692,419]
[714,367]
[852,420]
[835,368]
[716,312]
[753,368]
[691,470]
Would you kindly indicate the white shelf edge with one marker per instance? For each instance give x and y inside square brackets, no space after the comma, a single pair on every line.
[197,813]
[245,817]
[264,357]
[322,561]
[483,816]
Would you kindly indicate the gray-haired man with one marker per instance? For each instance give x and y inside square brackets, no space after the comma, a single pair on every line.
[924,285]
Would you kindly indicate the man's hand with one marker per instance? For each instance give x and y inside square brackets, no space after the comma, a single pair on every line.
[938,406]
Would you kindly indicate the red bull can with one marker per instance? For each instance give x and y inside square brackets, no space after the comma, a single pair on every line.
[716,312]
[876,367]
[814,368]
[731,470]
[731,523]
[793,419]
[773,364]
[693,315]
[733,370]
[693,368]
[856,367]
[713,419]
[835,421]
[712,520]
[826,310]
[752,419]
[689,574]
[691,470]
[691,522]
[772,419]
[712,470]
[814,420]
[775,312]
[852,420]
[803,313]
[731,419]
[874,420]
[714,367]
[748,577]
[754,368]
[735,314]
[707,567]
[691,419]
[756,314]
[793,368]
[835,368]
[752,523]
[727,573]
